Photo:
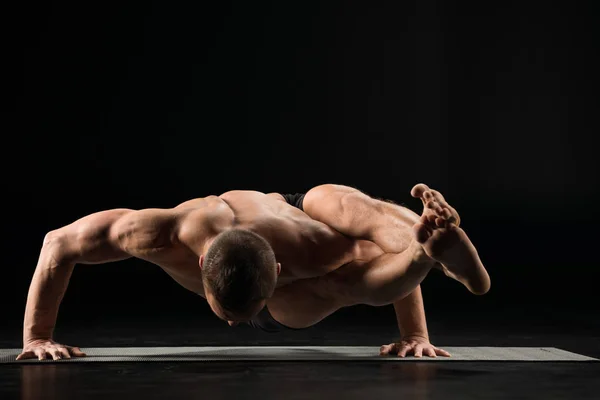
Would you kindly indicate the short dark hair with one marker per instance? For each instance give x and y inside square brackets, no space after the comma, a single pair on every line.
[239,269]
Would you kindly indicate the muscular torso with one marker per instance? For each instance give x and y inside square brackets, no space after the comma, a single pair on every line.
[175,238]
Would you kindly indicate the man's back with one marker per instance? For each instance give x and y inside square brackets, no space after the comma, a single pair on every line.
[175,238]
[305,247]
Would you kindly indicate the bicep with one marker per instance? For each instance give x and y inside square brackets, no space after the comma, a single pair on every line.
[89,240]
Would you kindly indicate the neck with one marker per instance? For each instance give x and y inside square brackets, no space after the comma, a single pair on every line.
[207,243]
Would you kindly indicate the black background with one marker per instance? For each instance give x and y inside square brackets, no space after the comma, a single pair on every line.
[150,104]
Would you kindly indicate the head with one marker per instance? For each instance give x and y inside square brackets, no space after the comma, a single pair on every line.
[239,273]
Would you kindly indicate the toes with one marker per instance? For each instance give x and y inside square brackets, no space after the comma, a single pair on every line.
[438,197]
[435,201]
[418,190]
[431,219]
[455,216]
[421,232]
[424,192]
[438,209]
[428,220]
[446,214]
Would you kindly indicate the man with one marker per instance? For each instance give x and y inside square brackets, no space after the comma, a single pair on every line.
[274,261]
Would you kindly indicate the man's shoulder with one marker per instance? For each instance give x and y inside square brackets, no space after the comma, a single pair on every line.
[204,217]
[240,194]
[197,203]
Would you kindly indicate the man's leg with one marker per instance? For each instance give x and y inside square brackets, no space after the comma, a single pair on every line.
[437,230]
[390,276]
[378,282]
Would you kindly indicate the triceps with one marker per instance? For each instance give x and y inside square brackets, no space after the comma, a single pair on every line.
[90,240]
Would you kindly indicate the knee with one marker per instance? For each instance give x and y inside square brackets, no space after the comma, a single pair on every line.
[364,297]
[379,299]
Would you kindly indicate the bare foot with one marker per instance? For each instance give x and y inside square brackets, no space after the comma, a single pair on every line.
[446,243]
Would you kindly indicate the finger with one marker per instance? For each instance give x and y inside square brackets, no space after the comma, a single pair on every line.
[430,352]
[76,352]
[403,350]
[391,349]
[418,352]
[385,349]
[440,222]
[25,355]
[441,352]
[55,353]
[64,352]
[40,353]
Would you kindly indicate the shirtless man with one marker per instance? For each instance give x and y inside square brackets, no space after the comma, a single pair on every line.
[273,261]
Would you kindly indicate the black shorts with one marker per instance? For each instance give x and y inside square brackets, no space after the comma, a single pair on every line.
[296,200]
[264,320]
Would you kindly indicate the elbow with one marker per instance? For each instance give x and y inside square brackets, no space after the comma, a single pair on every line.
[55,246]
[51,237]
[55,239]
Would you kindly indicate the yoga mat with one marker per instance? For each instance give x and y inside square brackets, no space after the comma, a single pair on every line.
[304,353]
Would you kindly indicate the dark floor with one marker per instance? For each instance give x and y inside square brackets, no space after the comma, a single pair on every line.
[294,380]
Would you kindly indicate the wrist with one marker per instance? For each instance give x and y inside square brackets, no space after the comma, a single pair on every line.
[37,327]
[31,337]
[415,335]
[36,342]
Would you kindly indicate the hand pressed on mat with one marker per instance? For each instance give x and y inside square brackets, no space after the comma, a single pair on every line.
[44,348]
[412,345]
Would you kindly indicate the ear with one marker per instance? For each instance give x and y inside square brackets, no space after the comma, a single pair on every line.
[278,269]
[201,262]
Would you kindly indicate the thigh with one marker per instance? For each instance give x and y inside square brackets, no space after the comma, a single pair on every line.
[360,216]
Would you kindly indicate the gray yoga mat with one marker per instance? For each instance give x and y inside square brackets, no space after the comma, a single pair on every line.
[304,353]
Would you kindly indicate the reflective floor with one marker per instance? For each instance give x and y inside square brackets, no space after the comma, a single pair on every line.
[303,380]
[300,380]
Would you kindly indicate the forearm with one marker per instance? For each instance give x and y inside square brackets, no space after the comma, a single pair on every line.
[46,291]
[388,229]
[410,313]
